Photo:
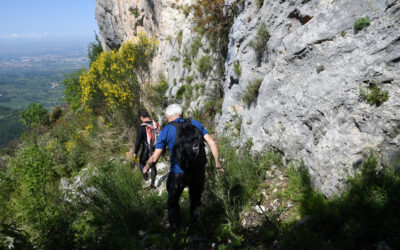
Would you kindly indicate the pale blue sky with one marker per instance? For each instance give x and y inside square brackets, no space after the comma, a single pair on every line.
[47,18]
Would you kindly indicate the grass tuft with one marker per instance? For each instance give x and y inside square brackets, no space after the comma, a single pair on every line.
[252,91]
[361,24]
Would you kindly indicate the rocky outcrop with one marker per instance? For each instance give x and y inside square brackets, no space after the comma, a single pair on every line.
[314,65]
[120,20]
[309,105]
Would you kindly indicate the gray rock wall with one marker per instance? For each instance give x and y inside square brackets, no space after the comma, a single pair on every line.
[309,105]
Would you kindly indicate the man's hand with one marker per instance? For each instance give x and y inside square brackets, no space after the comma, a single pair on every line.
[219,168]
[146,168]
[152,160]
[131,154]
[214,150]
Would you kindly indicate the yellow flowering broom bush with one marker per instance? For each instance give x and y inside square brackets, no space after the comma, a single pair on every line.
[112,84]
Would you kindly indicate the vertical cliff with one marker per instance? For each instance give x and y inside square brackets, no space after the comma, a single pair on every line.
[311,69]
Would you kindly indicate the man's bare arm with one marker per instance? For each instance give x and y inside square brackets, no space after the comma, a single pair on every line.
[214,150]
[153,159]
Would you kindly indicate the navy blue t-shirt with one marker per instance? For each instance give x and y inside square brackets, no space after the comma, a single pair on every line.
[167,138]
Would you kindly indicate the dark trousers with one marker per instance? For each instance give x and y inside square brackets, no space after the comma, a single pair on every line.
[153,172]
[175,185]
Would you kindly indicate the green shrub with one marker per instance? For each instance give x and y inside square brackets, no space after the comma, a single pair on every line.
[37,203]
[175,59]
[118,209]
[180,92]
[134,11]
[252,91]
[239,187]
[197,86]
[187,61]
[189,79]
[343,33]
[374,95]
[179,37]
[188,92]
[260,42]
[94,49]
[236,68]
[361,24]
[196,45]
[212,106]
[55,113]
[34,115]
[73,91]
[155,94]
[204,65]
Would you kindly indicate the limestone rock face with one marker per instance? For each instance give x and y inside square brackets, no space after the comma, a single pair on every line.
[309,105]
[313,67]
[120,20]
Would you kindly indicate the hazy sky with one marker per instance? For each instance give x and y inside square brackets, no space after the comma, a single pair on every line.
[47,18]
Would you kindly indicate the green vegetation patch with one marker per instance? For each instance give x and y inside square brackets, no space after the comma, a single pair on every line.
[189,79]
[196,45]
[187,61]
[34,115]
[214,20]
[73,91]
[374,95]
[175,59]
[204,65]
[252,91]
[236,68]
[94,49]
[179,37]
[260,42]
[134,12]
[361,24]
[180,92]
[155,94]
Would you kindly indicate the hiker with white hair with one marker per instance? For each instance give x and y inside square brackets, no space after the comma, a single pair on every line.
[185,139]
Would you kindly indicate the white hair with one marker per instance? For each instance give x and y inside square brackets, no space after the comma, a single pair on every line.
[173,109]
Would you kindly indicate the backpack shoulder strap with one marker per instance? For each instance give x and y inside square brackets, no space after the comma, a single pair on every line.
[176,123]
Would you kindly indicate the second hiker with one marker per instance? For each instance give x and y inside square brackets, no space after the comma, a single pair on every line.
[146,139]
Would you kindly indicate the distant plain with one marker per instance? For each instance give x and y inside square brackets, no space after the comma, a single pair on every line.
[30,72]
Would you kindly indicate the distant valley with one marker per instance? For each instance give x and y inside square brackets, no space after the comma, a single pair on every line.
[31,72]
[34,75]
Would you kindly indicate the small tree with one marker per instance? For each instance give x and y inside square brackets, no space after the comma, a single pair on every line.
[204,65]
[73,92]
[34,115]
[94,49]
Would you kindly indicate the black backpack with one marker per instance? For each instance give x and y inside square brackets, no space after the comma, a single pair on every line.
[189,149]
